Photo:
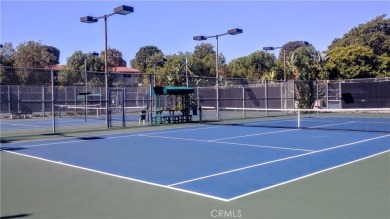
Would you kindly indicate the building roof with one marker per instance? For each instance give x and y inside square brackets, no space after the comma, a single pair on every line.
[55,67]
[122,70]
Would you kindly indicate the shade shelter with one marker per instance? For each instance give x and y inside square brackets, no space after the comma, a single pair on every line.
[184,107]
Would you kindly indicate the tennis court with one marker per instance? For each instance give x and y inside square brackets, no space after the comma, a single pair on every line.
[224,162]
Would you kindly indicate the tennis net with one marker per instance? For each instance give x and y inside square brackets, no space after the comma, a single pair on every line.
[368,120]
[97,112]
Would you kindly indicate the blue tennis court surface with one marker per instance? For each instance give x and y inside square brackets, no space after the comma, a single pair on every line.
[220,162]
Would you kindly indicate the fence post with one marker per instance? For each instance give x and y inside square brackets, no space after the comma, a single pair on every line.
[43,101]
[9,99]
[243,100]
[52,102]
[266,96]
[18,98]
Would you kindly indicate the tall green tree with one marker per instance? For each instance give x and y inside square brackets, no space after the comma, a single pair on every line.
[7,58]
[56,52]
[7,54]
[114,57]
[284,56]
[362,52]
[374,34]
[173,71]
[306,63]
[203,61]
[143,60]
[32,55]
[74,70]
[257,65]
[355,62]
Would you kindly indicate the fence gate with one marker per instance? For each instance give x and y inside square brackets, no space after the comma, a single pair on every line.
[116,100]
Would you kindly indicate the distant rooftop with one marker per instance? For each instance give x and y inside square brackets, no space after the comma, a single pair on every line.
[113,70]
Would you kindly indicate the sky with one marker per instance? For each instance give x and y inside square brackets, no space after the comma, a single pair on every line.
[170,25]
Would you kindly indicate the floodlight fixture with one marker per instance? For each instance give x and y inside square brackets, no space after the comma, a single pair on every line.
[123,10]
[234,31]
[88,19]
[199,38]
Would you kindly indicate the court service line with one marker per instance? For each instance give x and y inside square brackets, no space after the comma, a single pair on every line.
[262,146]
[184,130]
[287,130]
[221,142]
[69,142]
[305,176]
[86,136]
[278,160]
[35,126]
[121,177]
[263,133]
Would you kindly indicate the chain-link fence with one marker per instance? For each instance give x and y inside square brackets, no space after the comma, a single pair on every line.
[55,101]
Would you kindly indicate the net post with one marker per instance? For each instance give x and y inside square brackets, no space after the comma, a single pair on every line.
[299,119]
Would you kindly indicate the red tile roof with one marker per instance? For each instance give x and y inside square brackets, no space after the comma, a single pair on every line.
[124,70]
[55,67]
[113,70]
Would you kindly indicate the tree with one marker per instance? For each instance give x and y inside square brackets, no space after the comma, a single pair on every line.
[142,60]
[74,70]
[56,52]
[257,65]
[173,70]
[203,60]
[362,52]
[32,55]
[374,34]
[7,55]
[7,58]
[288,49]
[306,63]
[114,57]
[356,62]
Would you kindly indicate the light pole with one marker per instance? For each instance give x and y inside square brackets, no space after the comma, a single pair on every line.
[234,31]
[123,10]
[268,48]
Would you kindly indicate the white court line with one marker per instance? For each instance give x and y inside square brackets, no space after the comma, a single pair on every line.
[220,142]
[262,146]
[168,187]
[263,133]
[69,142]
[86,136]
[121,177]
[184,130]
[287,130]
[302,177]
[275,161]
[23,125]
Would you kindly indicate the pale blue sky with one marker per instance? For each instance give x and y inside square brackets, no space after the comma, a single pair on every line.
[170,25]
